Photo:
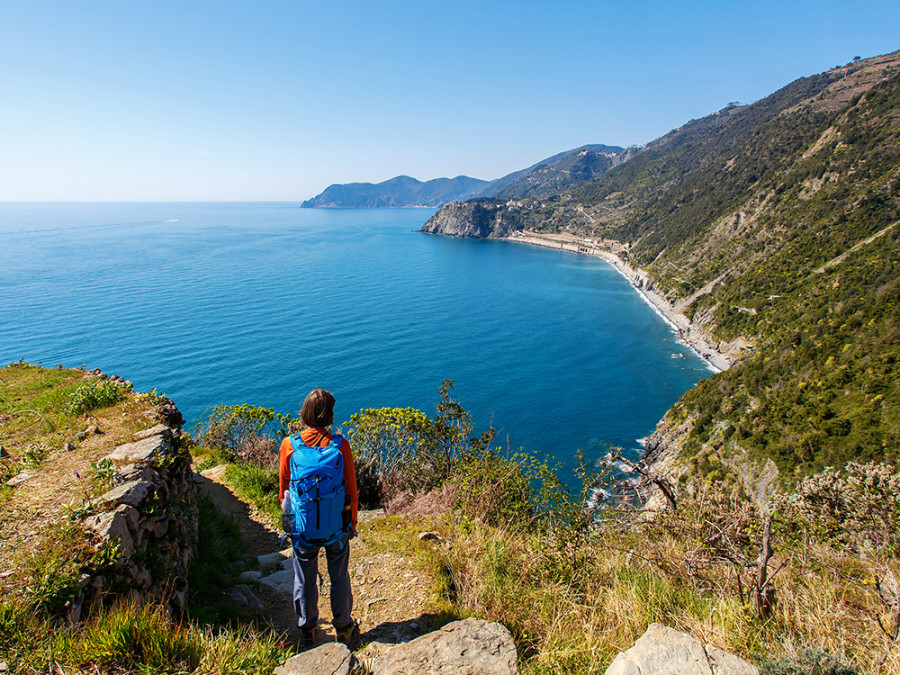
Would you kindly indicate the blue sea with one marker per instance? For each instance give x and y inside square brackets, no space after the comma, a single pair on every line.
[227,303]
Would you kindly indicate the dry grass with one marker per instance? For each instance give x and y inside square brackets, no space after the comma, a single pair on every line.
[573,611]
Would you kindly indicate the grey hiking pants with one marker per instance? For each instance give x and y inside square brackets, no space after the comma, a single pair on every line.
[306,589]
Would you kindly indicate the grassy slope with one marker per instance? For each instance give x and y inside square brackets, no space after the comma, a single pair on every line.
[45,551]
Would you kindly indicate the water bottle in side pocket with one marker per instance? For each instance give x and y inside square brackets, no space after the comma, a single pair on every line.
[287,513]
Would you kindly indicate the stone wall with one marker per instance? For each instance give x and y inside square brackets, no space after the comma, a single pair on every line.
[151,517]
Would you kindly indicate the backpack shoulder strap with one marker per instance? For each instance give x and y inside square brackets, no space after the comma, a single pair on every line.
[297,441]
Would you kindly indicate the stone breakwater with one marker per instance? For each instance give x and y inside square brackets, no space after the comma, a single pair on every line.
[149,520]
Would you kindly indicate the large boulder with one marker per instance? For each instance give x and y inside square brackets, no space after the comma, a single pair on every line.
[666,651]
[469,647]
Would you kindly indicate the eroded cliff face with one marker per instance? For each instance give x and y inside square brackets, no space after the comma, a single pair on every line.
[665,454]
[473,219]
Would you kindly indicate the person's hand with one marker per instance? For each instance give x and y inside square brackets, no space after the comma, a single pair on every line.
[353,533]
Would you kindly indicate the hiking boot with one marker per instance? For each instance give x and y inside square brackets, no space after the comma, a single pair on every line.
[307,638]
[348,634]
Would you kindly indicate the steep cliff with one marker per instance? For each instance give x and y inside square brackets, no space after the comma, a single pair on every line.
[478,219]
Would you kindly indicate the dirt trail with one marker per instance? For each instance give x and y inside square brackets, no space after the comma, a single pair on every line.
[258,539]
[391,597]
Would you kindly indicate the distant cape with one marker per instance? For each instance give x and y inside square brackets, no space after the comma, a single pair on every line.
[402,191]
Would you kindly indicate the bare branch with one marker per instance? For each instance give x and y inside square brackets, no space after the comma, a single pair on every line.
[660,481]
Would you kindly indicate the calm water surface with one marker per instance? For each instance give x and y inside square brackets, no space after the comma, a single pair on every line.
[259,303]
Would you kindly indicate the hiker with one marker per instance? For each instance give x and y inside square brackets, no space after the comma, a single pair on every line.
[313,503]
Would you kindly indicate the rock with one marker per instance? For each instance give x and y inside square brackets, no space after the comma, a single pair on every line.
[68,447]
[158,430]
[131,493]
[91,430]
[429,536]
[20,478]
[242,595]
[333,658]
[469,219]
[3,453]
[178,602]
[725,663]
[276,559]
[251,575]
[469,647]
[282,581]
[132,517]
[158,527]
[142,578]
[666,651]
[168,412]
[110,526]
[131,472]
[144,450]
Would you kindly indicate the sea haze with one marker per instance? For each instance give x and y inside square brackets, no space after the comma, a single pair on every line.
[261,302]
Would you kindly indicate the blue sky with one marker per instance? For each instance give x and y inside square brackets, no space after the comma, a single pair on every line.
[275,100]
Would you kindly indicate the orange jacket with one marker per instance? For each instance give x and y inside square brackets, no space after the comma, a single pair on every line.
[315,436]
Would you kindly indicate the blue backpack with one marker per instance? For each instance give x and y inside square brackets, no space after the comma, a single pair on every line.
[317,492]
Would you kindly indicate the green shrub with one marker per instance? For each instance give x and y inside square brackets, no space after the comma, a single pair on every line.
[494,489]
[245,431]
[133,638]
[94,394]
[859,506]
[400,450]
[256,485]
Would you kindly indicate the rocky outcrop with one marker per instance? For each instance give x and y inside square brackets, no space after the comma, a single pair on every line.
[149,520]
[469,647]
[664,455]
[478,219]
[665,651]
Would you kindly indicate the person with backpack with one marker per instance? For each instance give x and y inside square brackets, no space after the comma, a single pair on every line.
[317,489]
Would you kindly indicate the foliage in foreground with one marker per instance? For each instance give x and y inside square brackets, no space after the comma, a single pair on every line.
[577,580]
[131,638]
[402,450]
[573,603]
[247,433]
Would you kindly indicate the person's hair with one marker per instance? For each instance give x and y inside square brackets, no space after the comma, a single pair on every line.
[318,409]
